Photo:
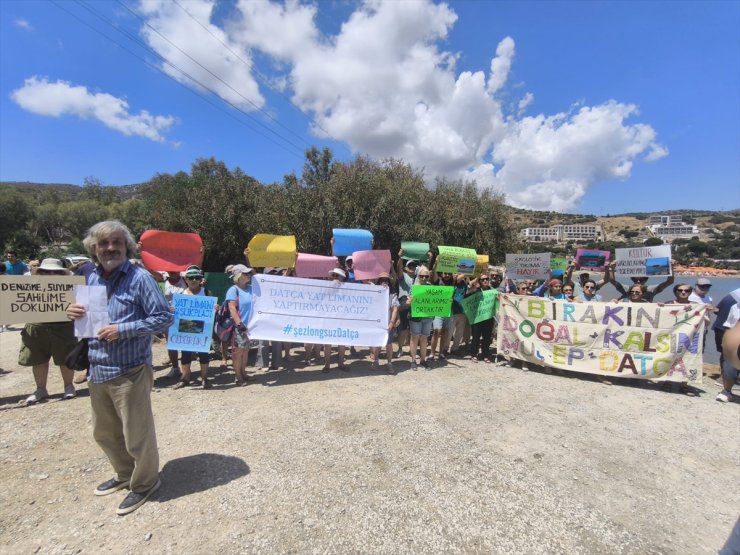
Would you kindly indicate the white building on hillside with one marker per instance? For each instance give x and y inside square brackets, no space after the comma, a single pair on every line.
[562,233]
[671,226]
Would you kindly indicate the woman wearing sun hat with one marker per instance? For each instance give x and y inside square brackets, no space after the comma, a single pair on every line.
[41,342]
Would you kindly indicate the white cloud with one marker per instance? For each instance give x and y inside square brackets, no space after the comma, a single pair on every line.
[385,85]
[57,99]
[180,37]
[23,24]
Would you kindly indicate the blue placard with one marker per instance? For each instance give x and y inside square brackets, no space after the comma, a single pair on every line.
[347,241]
[193,326]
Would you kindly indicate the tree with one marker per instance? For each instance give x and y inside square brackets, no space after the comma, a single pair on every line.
[15,213]
[653,241]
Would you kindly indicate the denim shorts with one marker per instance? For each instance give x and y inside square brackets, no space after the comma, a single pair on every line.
[420,326]
[443,323]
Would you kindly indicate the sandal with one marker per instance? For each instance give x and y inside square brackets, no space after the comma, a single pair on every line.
[373,366]
[325,369]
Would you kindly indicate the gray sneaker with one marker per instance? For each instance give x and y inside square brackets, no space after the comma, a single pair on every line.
[135,500]
[69,392]
[39,395]
[724,396]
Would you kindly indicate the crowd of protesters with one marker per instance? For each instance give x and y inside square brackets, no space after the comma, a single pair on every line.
[424,342]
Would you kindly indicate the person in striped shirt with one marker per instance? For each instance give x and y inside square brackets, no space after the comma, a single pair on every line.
[121,374]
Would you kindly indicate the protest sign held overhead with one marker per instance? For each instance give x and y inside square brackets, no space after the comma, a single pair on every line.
[429,301]
[641,340]
[589,259]
[456,260]
[168,251]
[272,250]
[413,250]
[314,265]
[480,306]
[36,299]
[644,261]
[558,264]
[481,264]
[347,241]
[314,311]
[193,325]
[528,266]
[370,264]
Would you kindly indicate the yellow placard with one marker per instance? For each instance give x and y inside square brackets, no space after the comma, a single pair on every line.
[272,250]
[481,264]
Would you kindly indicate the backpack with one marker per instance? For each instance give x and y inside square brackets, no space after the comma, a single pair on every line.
[224,322]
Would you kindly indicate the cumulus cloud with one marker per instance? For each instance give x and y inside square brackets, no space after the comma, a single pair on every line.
[60,98]
[385,85]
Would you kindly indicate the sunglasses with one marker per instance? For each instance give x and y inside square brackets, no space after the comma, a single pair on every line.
[485,279]
[567,290]
[704,286]
[635,292]
[193,278]
[423,276]
[588,286]
[684,290]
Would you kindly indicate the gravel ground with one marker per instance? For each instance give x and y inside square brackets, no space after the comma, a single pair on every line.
[465,458]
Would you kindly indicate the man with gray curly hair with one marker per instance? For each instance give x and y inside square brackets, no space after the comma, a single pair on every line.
[121,374]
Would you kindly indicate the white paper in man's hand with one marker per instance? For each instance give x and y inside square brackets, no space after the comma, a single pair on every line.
[94,299]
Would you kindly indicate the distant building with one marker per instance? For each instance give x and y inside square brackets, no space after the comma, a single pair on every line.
[562,233]
[669,220]
[671,226]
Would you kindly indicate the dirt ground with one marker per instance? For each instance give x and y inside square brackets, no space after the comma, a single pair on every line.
[464,458]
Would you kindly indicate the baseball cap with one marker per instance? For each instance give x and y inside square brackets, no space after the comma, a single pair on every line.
[241,269]
[703,281]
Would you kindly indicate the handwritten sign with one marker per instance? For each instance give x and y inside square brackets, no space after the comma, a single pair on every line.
[528,266]
[413,250]
[456,260]
[370,264]
[36,299]
[272,250]
[558,263]
[644,261]
[313,311]
[314,265]
[481,264]
[641,340]
[480,306]
[347,241]
[167,251]
[193,326]
[588,259]
[428,301]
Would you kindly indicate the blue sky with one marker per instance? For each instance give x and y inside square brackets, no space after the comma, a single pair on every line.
[589,107]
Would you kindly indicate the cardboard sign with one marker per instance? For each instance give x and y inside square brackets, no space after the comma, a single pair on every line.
[456,260]
[193,326]
[428,301]
[272,250]
[528,266]
[480,306]
[588,259]
[347,241]
[36,299]
[314,265]
[413,250]
[370,264]
[168,251]
[312,311]
[644,261]
[643,341]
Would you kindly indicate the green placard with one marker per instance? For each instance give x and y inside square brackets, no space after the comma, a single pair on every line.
[456,260]
[218,283]
[415,251]
[558,263]
[480,306]
[428,301]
